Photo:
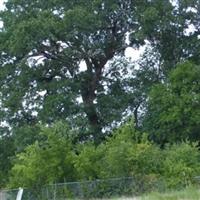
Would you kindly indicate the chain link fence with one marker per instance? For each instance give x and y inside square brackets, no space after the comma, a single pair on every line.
[97,189]
[8,194]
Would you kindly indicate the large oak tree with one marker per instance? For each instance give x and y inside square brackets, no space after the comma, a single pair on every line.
[42,47]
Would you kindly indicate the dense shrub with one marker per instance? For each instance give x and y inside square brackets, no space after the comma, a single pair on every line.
[47,161]
[181,164]
[173,108]
[127,153]
[88,162]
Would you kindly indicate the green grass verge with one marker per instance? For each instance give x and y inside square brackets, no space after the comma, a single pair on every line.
[190,193]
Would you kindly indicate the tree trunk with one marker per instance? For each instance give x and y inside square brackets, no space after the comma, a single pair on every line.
[89,83]
[135,112]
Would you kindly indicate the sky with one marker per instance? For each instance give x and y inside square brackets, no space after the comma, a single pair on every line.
[1,7]
[1,4]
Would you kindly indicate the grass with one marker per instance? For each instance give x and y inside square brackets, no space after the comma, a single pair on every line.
[190,193]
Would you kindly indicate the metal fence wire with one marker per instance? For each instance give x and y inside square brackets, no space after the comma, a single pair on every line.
[106,188]
[8,194]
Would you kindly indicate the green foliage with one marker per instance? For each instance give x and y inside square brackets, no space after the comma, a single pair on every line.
[26,135]
[43,43]
[121,155]
[117,153]
[62,35]
[190,193]
[165,25]
[7,149]
[88,163]
[181,164]
[173,111]
[118,149]
[127,153]
[45,161]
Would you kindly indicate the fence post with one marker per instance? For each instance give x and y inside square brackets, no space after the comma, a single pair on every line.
[54,193]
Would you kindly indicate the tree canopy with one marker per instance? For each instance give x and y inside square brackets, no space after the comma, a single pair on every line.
[65,61]
[173,113]
[44,44]
[62,35]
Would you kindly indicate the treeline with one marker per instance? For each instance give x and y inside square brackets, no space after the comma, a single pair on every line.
[166,147]
[127,153]
[68,91]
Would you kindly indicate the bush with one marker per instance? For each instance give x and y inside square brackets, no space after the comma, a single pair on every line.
[127,153]
[47,161]
[88,162]
[181,164]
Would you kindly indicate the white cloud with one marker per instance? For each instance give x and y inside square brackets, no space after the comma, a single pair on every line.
[134,54]
[2,4]
[1,24]
[190,29]
[83,66]
[1,8]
